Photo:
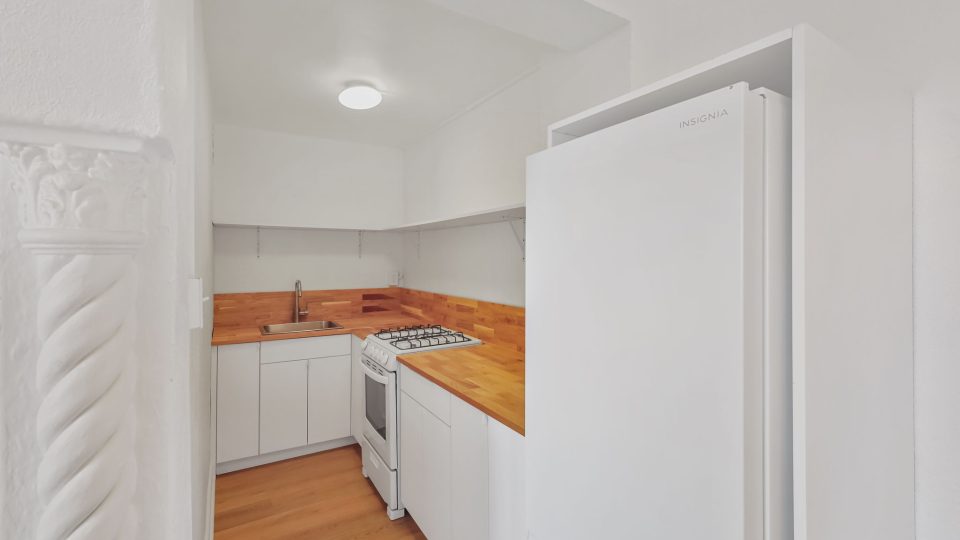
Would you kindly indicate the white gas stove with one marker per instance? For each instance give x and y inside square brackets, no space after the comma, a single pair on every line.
[384,346]
[379,365]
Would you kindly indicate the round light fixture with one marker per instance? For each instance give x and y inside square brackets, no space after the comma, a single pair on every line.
[360,97]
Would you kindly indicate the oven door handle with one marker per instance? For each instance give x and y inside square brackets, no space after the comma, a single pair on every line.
[382,379]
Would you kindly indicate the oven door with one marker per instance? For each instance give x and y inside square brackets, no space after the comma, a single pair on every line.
[380,410]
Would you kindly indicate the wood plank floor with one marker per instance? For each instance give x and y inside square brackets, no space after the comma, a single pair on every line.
[321,496]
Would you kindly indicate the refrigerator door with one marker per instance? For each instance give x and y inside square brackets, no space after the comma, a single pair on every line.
[644,420]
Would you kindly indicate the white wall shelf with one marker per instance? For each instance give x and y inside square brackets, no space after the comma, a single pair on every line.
[495,215]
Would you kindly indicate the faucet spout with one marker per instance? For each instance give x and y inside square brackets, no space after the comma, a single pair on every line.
[297,295]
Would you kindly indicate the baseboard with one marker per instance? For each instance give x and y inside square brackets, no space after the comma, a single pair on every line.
[272,457]
[212,467]
[211,495]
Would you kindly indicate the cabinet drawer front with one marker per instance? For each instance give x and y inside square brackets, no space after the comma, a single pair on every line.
[432,397]
[380,475]
[304,348]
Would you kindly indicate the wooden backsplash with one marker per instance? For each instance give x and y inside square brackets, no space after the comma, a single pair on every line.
[254,309]
[499,324]
[493,323]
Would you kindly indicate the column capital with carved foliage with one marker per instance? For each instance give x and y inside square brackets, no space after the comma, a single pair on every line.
[74,200]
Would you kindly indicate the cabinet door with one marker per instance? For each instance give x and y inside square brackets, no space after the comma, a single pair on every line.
[507,482]
[328,395]
[356,390]
[238,401]
[283,405]
[425,472]
[469,472]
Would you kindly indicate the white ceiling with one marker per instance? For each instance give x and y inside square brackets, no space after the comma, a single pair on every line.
[569,25]
[279,64]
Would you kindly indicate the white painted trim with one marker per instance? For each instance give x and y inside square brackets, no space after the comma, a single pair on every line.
[211,497]
[798,278]
[212,459]
[853,287]
[48,136]
[273,457]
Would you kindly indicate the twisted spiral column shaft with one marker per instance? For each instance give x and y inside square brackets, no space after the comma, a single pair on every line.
[86,377]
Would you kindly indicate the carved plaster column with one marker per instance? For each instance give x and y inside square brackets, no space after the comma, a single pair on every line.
[81,212]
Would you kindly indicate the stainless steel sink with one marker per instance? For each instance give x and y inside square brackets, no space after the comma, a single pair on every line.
[292,328]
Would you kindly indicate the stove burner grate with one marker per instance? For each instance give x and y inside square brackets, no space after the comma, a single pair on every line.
[411,332]
[446,338]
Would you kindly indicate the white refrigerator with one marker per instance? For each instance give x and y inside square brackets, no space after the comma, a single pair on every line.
[658,346]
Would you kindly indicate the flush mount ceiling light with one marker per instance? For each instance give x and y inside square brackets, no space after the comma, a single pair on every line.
[360,96]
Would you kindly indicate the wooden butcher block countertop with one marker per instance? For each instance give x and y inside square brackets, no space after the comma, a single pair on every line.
[489,377]
[359,326]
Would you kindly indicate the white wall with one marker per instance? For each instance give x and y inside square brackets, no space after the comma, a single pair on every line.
[574,81]
[911,38]
[483,262]
[326,183]
[100,68]
[919,41]
[319,259]
[937,314]
[476,161]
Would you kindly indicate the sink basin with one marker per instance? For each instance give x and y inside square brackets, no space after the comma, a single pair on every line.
[294,327]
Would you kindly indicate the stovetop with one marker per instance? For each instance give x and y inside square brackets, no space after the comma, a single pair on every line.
[385,345]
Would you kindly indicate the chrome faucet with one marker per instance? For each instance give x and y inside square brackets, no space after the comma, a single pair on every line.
[297,295]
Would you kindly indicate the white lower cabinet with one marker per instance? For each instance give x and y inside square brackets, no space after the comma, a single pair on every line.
[508,517]
[470,497]
[238,401]
[461,480]
[283,398]
[283,405]
[328,399]
[425,468]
